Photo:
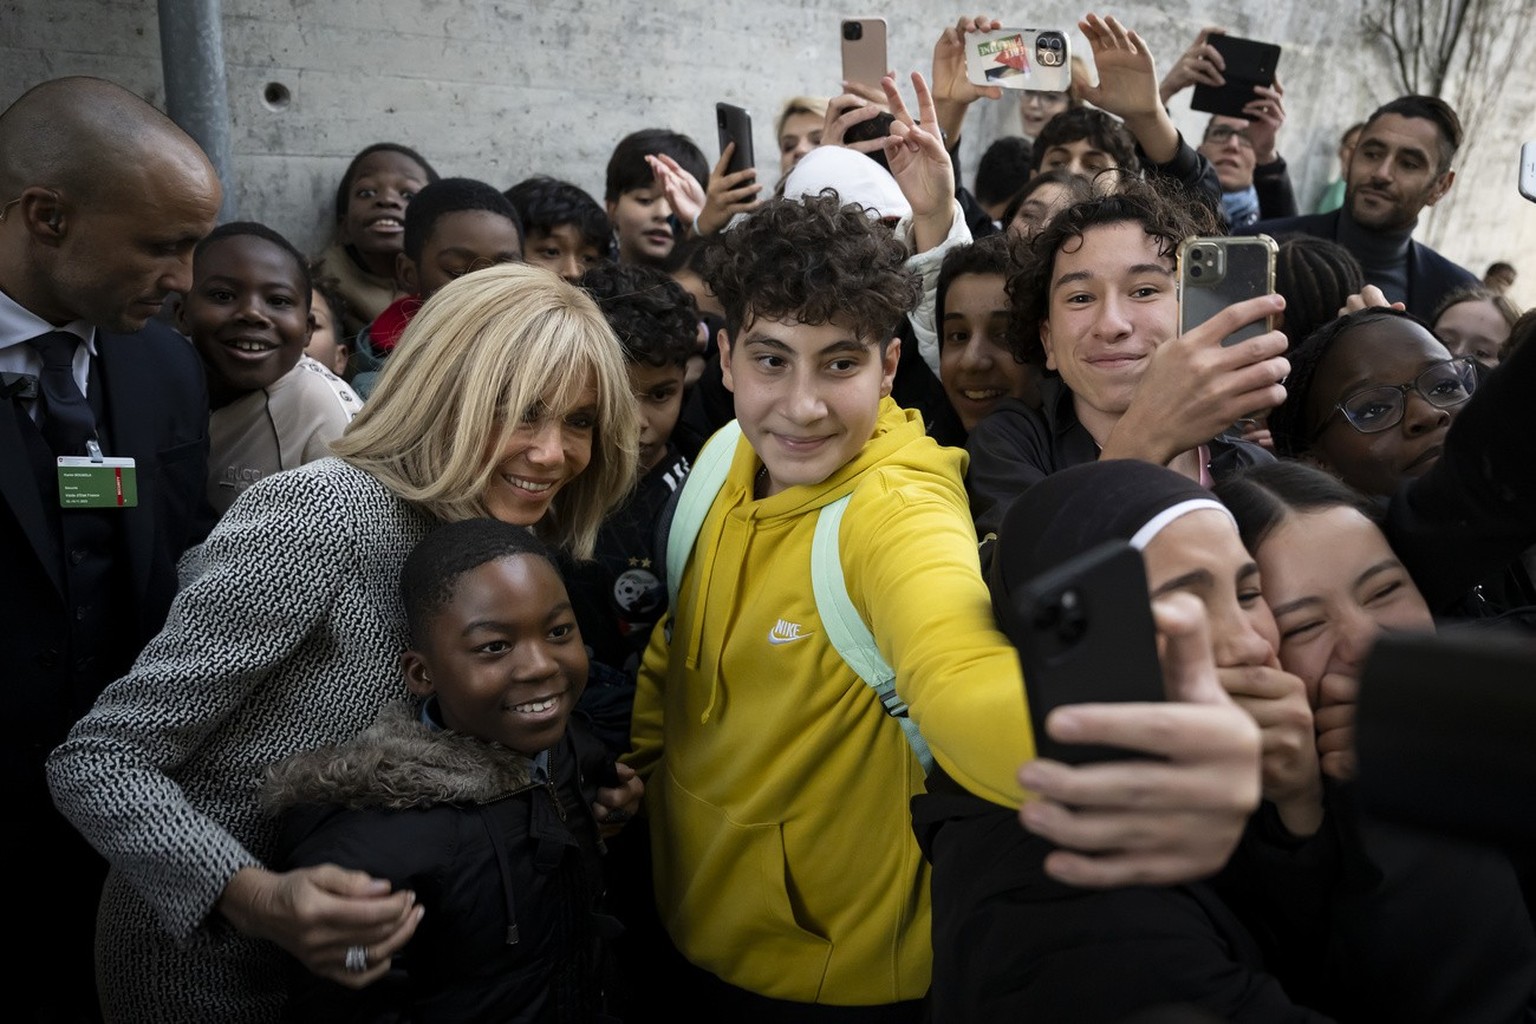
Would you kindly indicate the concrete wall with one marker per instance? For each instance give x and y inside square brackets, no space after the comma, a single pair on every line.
[500,89]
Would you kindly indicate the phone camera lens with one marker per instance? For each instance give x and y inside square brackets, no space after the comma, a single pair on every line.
[1195,271]
[853,30]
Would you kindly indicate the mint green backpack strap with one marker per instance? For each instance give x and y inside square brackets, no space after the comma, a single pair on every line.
[847,631]
[699,490]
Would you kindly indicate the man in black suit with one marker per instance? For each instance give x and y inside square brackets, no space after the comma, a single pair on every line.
[1400,165]
[103,199]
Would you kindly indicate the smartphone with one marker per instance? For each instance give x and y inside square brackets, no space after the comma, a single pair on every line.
[1528,170]
[1249,63]
[864,58]
[1215,272]
[1443,729]
[1020,58]
[1084,633]
[735,125]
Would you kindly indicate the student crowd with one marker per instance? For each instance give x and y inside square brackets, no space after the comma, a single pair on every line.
[542,609]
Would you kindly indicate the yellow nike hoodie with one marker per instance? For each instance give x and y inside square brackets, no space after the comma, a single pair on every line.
[777,787]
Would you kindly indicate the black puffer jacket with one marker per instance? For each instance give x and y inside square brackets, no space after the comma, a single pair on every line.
[507,868]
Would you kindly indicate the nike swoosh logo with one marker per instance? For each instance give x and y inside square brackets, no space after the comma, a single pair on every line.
[785,633]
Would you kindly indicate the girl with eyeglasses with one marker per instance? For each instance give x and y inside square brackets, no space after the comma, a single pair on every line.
[1371,399]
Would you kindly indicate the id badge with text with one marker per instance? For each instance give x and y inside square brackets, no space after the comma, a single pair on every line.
[88,483]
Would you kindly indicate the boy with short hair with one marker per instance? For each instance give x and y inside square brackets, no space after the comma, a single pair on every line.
[249,316]
[635,200]
[478,801]
[564,229]
[452,227]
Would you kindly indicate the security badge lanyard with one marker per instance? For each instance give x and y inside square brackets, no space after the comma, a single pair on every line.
[95,481]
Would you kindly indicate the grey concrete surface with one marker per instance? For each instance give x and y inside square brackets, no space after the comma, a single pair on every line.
[500,89]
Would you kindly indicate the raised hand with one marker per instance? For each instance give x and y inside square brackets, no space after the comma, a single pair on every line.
[1128,86]
[684,193]
[953,91]
[921,166]
[1267,113]
[1201,64]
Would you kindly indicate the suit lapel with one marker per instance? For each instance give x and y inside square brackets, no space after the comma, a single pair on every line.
[18,487]
[131,400]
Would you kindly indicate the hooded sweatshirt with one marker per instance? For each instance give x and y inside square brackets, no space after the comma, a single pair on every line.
[777,787]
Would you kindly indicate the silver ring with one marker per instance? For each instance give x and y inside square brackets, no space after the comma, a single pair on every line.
[357,959]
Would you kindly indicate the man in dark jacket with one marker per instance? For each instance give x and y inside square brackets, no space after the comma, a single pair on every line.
[103,199]
[1401,164]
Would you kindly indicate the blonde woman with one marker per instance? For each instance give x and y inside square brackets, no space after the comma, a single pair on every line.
[506,397]
[798,129]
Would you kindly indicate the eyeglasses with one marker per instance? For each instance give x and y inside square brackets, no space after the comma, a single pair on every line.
[1375,409]
[1221,134]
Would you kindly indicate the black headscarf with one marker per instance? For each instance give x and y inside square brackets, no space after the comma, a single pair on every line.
[1077,509]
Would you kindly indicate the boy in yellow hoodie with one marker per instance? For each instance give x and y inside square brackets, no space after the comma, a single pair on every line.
[777,784]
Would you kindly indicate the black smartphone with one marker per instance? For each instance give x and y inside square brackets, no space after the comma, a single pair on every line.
[735,125]
[1084,633]
[1249,63]
[1443,729]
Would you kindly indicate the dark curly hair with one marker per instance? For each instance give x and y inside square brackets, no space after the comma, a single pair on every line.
[816,260]
[453,195]
[1167,219]
[246,228]
[1103,132]
[655,319]
[1288,425]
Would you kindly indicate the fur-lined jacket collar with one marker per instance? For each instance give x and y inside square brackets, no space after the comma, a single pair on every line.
[397,763]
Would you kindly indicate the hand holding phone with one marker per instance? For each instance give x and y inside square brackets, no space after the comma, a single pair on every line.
[1184,814]
[734,125]
[1194,387]
[1247,63]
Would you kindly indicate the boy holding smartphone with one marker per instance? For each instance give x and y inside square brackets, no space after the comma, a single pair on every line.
[785,865]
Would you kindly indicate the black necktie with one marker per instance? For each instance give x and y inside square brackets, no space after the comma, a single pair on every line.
[67,421]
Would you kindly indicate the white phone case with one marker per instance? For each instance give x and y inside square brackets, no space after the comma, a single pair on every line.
[1528,170]
[1020,58]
